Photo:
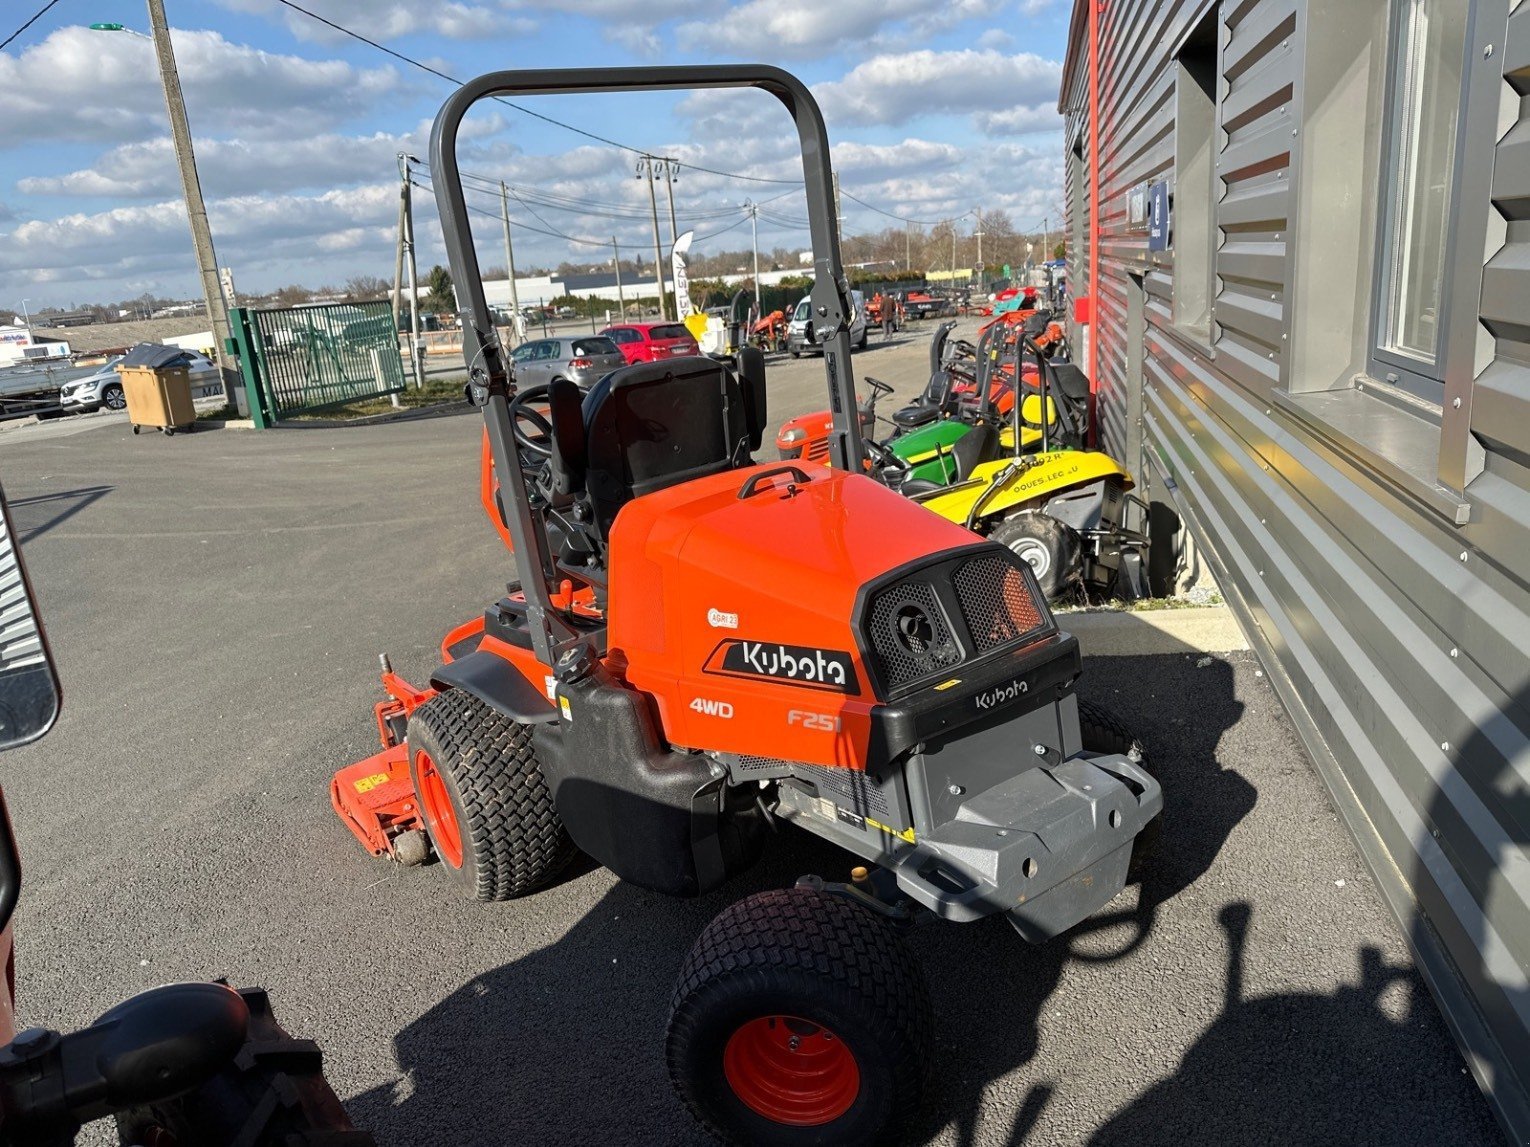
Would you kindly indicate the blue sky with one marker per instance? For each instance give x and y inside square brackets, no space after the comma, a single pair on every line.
[933,107]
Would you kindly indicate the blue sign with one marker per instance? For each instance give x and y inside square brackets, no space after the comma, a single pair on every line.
[1158,216]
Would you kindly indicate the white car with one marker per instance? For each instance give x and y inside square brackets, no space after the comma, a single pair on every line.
[104,388]
[796,329]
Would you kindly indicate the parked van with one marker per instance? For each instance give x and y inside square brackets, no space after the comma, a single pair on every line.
[796,330]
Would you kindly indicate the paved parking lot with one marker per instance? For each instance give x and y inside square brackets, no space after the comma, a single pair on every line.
[216,603]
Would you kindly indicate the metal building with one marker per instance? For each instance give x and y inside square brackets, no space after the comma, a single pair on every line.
[1299,244]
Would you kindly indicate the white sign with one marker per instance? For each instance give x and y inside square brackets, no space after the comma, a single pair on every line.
[683,305]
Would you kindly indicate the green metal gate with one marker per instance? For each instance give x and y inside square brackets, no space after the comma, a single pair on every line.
[306,358]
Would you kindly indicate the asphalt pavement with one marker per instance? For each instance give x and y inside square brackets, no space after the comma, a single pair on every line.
[216,603]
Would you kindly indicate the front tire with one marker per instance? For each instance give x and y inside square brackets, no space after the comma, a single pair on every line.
[487,809]
[273,1094]
[1052,549]
[800,1018]
[113,398]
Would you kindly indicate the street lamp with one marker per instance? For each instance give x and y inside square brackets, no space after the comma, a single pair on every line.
[191,187]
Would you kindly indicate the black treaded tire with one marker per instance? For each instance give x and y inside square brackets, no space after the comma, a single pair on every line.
[512,841]
[274,1094]
[814,956]
[113,397]
[1051,548]
[1100,732]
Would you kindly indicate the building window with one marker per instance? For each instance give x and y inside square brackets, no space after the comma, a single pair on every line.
[1427,70]
[1193,218]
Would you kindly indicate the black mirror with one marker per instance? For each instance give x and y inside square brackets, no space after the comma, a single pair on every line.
[808,333]
[29,694]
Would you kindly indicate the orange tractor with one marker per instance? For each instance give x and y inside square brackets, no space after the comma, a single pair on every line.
[666,688]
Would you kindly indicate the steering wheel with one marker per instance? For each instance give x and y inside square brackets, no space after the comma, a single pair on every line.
[538,441]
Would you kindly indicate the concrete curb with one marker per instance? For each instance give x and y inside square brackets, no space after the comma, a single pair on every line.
[1124,633]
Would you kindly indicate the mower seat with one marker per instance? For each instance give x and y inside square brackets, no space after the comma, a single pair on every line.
[972,449]
[652,425]
[914,415]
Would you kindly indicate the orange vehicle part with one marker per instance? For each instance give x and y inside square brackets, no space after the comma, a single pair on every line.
[375,797]
[846,531]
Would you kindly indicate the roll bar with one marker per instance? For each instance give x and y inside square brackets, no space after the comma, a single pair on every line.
[489,379]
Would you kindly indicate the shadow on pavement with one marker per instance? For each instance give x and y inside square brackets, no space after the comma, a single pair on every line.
[514,1054]
[37,515]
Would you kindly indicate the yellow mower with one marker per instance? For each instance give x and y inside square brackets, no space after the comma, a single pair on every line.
[1065,512]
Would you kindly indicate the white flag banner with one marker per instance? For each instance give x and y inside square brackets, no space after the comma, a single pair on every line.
[683,305]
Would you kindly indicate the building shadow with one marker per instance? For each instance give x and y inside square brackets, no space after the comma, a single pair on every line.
[1297,1067]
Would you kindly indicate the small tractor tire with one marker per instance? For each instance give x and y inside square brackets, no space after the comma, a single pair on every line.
[273,1094]
[800,1018]
[1100,732]
[486,806]
[1051,548]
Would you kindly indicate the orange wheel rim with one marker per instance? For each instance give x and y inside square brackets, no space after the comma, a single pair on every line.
[791,1071]
[440,817]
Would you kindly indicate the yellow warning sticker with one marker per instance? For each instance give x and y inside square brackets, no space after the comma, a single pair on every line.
[948,684]
[367,784]
[906,835]
[568,710]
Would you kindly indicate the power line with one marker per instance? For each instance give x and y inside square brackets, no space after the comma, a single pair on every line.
[38,15]
[900,218]
[508,103]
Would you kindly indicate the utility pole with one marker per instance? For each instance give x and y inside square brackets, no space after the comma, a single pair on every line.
[191,187]
[621,299]
[978,231]
[414,282]
[645,173]
[754,237]
[515,302]
[908,248]
[1046,254]
[395,300]
[669,185]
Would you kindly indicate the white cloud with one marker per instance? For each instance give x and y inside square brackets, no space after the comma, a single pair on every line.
[1020,120]
[800,28]
[79,85]
[893,89]
[228,167]
[392,19]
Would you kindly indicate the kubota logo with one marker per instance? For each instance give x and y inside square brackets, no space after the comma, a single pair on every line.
[796,664]
[1002,695]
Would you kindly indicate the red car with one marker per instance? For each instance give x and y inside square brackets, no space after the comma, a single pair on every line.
[651,342]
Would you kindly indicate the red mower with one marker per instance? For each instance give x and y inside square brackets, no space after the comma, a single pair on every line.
[666,687]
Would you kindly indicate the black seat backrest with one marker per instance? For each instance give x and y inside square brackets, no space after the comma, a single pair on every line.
[973,448]
[656,424]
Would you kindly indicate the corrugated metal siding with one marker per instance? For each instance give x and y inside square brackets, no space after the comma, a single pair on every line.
[1397,638]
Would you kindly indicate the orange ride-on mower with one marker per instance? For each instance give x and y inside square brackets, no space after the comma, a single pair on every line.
[667,686]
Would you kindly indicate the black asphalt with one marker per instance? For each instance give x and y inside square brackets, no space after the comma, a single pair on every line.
[216,603]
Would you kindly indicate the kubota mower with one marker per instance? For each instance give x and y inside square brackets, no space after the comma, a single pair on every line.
[667,685]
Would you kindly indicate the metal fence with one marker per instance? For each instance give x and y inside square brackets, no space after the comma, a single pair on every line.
[308,358]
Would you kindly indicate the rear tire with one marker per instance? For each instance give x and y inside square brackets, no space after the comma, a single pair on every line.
[1052,549]
[800,1018]
[273,1094]
[1100,732]
[487,809]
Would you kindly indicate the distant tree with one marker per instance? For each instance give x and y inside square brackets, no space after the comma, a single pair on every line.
[440,297]
[291,295]
[360,288]
[1061,250]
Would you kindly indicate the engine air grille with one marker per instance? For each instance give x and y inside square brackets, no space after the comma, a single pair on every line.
[910,633]
[848,788]
[996,602]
